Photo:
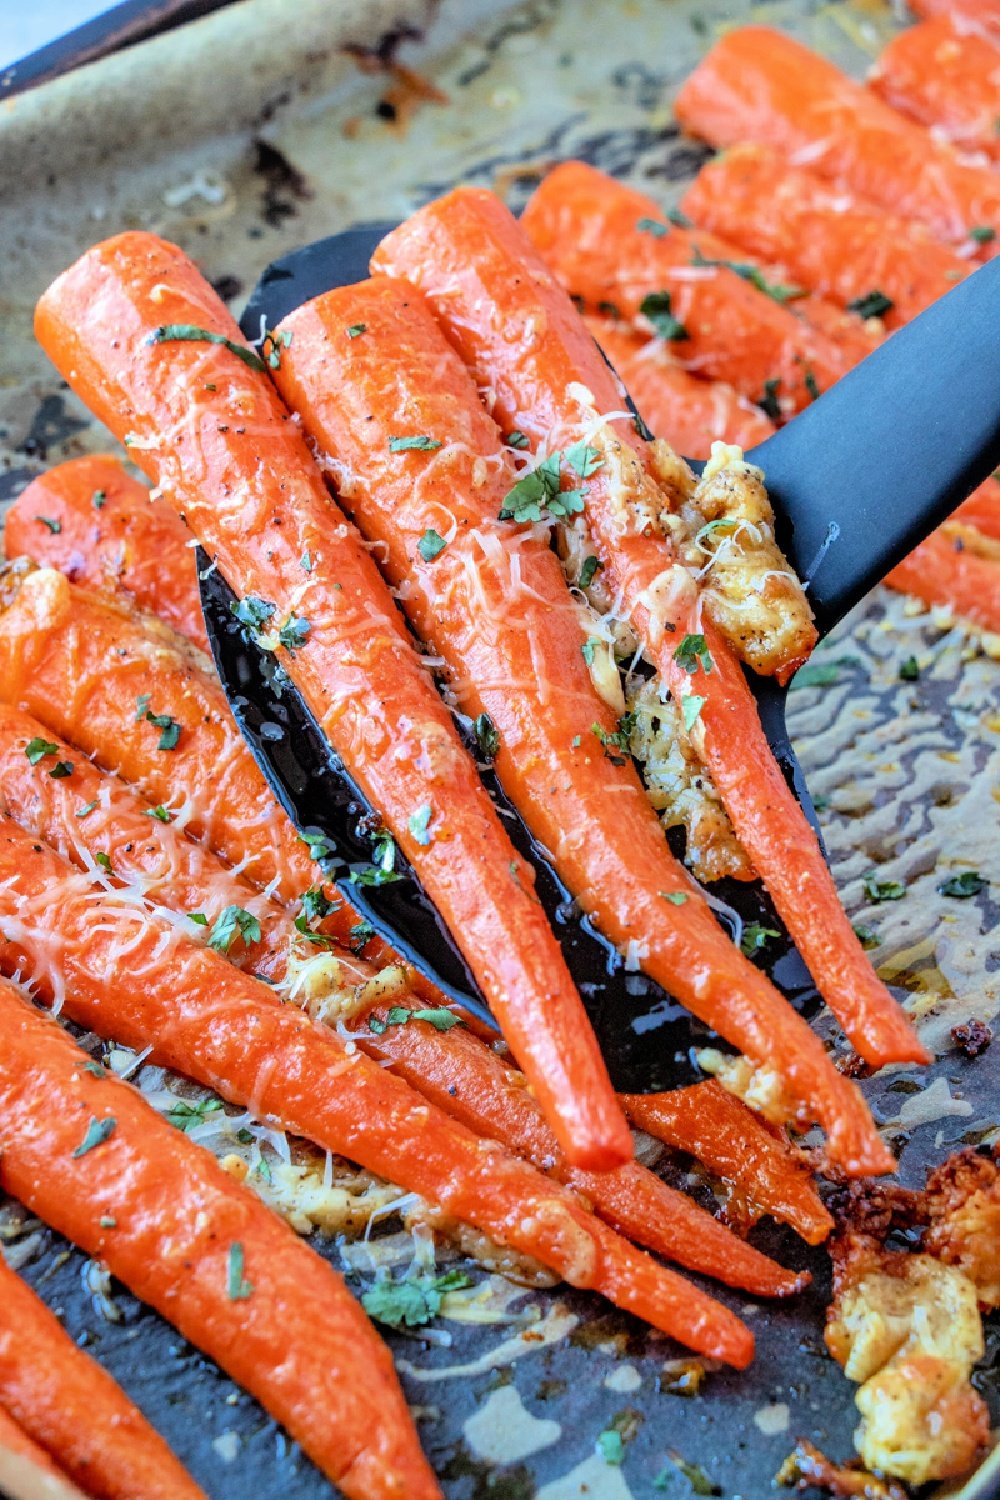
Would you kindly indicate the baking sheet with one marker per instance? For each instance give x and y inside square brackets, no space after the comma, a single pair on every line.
[295,139]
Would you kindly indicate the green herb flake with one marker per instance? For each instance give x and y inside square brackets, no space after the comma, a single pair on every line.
[540,489]
[963,887]
[98,499]
[620,741]
[610,1446]
[159,813]
[487,736]
[272,345]
[253,612]
[811,384]
[878,891]
[54,526]
[755,937]
[37,749]
[676,898]
[419,822]
[588,572]
[98,1131]
[190,333]
[820,673]
[982,234]
[693,1473]
[420,443]
[187,1114]
[589,647]
[768,402]
[655,227]
[142,705]
[104,860]
[319,846]
[360,936]
[873,304]
[356,330]
[439,1017]
[316,904]
[233,922]
[95,1069]
[609,309]
[61,769]
[238,1289]
[655,306]
[516,439]
[909,670]
[306,562]
[294,633]
[198,918]
[693,652]
[431,544]
[414,1300]
[583,459]
[382,870]
[170,730]
[691,707]
[778,291]
[107,1222]
[867,937]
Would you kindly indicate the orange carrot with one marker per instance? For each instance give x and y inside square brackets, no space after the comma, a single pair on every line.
[554,388]
[758,84]
[982,510]
[730,1139]
[830,240]
[228,1031]
[943,570]
[73,1409]
[688,412]
[608,243]
[99,526]
[981,16]
[89,1156]
[23,1461]
[223,450]
[946,77]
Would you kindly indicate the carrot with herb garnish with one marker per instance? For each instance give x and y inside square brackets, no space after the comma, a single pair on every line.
[758,84]
[944,76]
[88,1155]
[609,244]
[90,519]
[945,570]
[555,389]
[142,337]
[73,1409]
[690,413]
[229,1032]
[727,1137]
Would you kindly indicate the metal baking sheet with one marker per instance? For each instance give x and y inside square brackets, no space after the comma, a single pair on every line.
[301,134]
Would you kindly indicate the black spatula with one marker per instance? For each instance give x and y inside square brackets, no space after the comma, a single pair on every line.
[856,481]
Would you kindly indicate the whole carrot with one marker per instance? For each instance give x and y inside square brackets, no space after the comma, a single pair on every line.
[830,240]
[554,388]
[945,570]
[90,1157]
[23,1463]
[761,85]
[229,1032]
[90,519]
[610,244]
[730,1139]
[690,413]
[210,429]
[946,77]
[74,1410]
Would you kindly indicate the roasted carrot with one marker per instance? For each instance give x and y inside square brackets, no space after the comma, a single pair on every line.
[218,442]
[830,240]
[229,1032]
[609,244]
[22,1460]
[688,412]
[758,84]
[90,519]
[554,388]
[730,1139]
[982,510]
[972,15]
[89,1156]
[947,78]
[944,570]
[73,1409]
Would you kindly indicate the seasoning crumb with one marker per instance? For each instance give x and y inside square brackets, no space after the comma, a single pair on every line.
[972,1037]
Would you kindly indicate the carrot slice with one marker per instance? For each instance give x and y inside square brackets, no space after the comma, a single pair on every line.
[608,243]
[99,526]
[229,1032]
[831,241]
[22,1462]
[214,435]
[973,15]
[945,77]
[554,388]
[74,1410]
[982,510]
[688,412]
[758,84]
[203,1251]
[942,570]
[730,1139]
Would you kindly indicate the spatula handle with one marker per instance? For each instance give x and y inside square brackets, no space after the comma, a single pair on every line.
[868,471]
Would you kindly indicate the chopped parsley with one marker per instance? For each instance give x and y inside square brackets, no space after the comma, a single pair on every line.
[316,904]
[821,673]
[677,218]
[104,860]
[356,330]
[538,490]
[437,1016]
[37,749]
[909,670]
[107,1222]
[320,847]
[237,1287]
[778,291]
[186,1114]
[198,918]
[189,333]
[583,459]
[655,227]
[412,1301]
[516,439]
[589,570]
[588,648]
[811,384]
[419,823]
[294,633]
[755,937]
[97,499]
[233,922]
[620,741]
[54,526]
[873,304]
[878,891]
[253,612]
[141,705]
[98,1131]
[962,887]
[487,736]
[610,1446]
[866,936]
[982,234]
[318,939]
[61,769]
[431,544]
[382,870]
[361,935]
[676,898]
[159,813]
[170,730]
[692,653]
[272,345]
[656,307]
[691,707]
[95,1069]
[306,562]
[769,403]
[419,443]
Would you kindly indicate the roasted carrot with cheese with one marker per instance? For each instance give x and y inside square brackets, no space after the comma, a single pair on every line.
[73,1409]
[23,1463]
[730,1139]
[758,84]
[163,363]
[228,1031]
[90,519]
[946,77]
[90,1157]
[555,389]
[608,243]
[830,240]
[690,413]
[945,570]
